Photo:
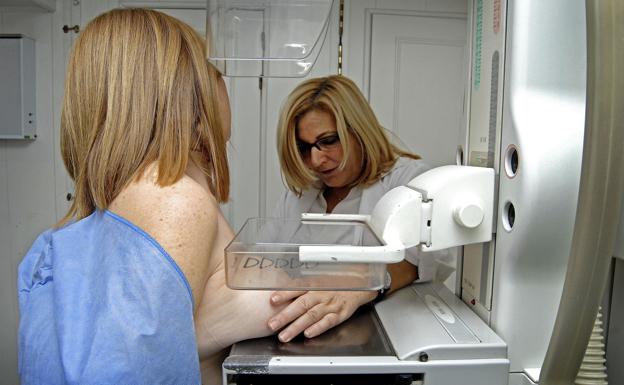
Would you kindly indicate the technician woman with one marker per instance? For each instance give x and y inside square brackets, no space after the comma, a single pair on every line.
[336,158]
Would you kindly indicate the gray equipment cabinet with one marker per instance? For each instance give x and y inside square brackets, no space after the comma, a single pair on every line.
[17,90]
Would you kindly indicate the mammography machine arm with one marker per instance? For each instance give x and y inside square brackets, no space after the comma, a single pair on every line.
[444,207]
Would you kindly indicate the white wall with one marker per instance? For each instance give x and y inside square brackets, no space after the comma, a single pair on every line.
[29,171]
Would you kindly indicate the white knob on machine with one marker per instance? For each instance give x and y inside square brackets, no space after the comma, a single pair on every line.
[469,215]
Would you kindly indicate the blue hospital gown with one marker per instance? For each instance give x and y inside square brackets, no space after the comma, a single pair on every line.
[101,302]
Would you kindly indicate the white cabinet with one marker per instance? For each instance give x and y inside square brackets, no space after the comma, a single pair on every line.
[17,94]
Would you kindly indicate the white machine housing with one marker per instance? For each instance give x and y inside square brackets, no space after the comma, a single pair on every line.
[441,208]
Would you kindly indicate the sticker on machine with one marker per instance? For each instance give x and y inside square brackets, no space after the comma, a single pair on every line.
[478,158]
[439,309]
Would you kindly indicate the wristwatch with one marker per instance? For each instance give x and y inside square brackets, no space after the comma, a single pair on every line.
[381,293]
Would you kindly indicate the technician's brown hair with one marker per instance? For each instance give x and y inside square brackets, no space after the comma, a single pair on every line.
[139,91]
[340,97]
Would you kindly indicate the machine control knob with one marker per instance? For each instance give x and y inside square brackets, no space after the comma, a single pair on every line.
[469,215]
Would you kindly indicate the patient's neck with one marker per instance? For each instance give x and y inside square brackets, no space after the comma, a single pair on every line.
[195,172]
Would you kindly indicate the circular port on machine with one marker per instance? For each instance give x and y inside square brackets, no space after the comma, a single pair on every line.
[509,216]
[511,161]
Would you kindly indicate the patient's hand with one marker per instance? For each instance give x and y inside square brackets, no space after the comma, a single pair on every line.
[314,312]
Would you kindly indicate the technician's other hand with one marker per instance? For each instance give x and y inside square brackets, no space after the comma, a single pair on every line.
[314,312]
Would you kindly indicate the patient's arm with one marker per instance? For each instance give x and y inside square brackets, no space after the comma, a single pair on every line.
[226,316]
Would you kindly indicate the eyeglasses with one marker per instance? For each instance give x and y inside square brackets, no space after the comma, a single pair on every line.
[324,144]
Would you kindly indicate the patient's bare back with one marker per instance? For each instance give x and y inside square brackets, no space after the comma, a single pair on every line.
[184,218]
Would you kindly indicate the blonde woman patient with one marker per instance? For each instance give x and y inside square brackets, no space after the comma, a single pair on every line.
[129,287]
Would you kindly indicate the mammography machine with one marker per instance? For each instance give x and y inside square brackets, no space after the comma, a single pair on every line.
[535,202]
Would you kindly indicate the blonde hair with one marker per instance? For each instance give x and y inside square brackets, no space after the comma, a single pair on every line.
[341,98]
[139,90]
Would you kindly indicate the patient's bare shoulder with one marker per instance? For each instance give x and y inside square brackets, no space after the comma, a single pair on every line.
[182,218]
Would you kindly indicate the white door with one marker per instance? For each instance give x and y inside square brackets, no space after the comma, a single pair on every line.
[417,81]
[409,58]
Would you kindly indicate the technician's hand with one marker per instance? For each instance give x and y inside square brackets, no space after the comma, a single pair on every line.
[314,312]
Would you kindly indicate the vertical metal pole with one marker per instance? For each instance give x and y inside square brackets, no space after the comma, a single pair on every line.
[601,190]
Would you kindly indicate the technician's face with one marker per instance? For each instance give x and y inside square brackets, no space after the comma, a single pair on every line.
[224,108]
[322,152]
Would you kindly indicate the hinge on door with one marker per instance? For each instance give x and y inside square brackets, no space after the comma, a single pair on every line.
[260,82]
[75,28]
[340,33]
